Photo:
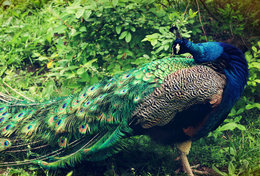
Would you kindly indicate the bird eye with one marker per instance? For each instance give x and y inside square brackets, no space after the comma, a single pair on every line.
[178,47]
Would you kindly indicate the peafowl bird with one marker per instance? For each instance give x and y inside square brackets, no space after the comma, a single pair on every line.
[174,100]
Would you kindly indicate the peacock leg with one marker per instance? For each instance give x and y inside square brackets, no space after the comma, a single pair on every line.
[184,149]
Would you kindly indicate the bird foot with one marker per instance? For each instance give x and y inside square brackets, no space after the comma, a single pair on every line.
[177,159]
[193,169]
[200,172]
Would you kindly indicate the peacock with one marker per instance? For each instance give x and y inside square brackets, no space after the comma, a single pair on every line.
[175,100]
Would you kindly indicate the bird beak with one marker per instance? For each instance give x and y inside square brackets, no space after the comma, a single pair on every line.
[178,47]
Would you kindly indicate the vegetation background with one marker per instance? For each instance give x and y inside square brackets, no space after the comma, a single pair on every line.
[56,47]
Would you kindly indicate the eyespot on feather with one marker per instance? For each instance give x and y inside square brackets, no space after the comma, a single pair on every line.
[122,91]
[93,108]
[126,76]
[29,128]
[64,106]
[63,142]
[7,129]
[108,86]
[5,143]
[19,116]
[87,104]
[92,88]
[136,99]
[81,113]
[82,95]
[4,118]
[83,128]
[52,120]
[58,123]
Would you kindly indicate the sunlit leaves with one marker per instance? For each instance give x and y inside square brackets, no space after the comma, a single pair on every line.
[128,37]
[123,35]
[118,29]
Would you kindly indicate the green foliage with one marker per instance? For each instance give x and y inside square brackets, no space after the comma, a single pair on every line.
[228,20]
[162,41]
[254,71]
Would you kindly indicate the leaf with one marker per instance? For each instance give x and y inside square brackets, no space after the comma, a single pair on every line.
[241,127]
[84,77]
[114,2]
[190,12]
[80,12]
[89,63]
[218,171]
[255,65]
[80,71]
[128,37]
[231,168]
[254,105]
[87,14]
[240,111]
[70,173]
[166,47]
[42,58]
[6,3]
[154,42]
[73,32]
[231,126]
[83,29]
[257,80]
[132,28]
[254,49]
[118,29]
[123,34]
[60,29]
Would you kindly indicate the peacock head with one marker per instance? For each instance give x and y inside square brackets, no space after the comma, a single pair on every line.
[180,46]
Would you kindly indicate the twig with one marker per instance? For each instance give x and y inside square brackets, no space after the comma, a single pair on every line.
[231,31]
[163,4]
[69,26]
[205,6]
[186,8]
[201,21]
[18,92]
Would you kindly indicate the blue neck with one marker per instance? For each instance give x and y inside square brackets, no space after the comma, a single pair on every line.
[204,52]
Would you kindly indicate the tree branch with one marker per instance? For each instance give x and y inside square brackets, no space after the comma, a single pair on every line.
[186,8]
[201,21]
[207,9]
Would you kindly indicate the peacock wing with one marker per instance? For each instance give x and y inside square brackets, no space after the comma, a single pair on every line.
[179,91]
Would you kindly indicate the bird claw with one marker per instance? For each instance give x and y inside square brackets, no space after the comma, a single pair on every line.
[177,159]
[193,168]
[200,172]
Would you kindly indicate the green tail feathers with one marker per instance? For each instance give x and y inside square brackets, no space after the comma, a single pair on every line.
[88,125]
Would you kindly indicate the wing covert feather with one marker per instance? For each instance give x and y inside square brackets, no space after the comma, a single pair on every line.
[179,91]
